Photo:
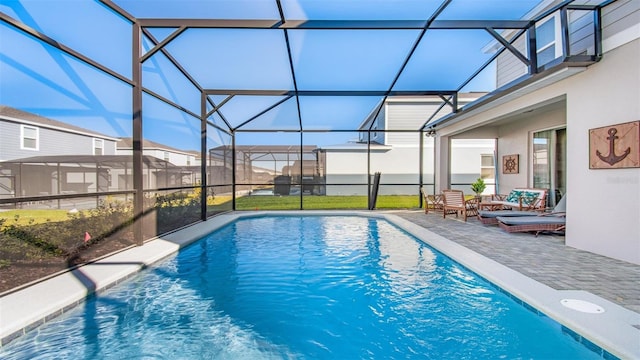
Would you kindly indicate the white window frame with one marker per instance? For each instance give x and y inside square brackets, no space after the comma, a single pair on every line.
[97,141]
[492,166]
[557,36]
[22,137]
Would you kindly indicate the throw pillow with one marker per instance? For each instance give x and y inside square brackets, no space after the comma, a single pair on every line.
[513,196]
[530,197]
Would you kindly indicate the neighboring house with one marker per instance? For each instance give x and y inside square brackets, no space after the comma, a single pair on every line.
[394,140]
[260,166]
[187,161]
[25,136]
[41,156]
[167,153]
[544,120]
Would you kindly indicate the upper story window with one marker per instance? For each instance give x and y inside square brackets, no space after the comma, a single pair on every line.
[548,39]
[29,137]
[98,147]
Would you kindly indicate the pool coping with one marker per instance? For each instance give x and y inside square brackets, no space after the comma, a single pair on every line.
[611,331]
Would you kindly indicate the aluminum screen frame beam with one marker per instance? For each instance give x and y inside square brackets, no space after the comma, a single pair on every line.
[333,24]
[65,49]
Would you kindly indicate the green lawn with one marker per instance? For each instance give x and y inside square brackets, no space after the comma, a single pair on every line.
[324,202]
[26,217]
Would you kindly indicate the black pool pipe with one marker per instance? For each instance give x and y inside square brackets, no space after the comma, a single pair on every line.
[374,191]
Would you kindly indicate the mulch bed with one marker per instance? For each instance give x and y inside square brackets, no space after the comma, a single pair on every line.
[25,271]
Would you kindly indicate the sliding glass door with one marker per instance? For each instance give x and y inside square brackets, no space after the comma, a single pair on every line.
[550,162]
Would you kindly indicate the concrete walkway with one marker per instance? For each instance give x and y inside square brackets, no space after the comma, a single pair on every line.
[544,258]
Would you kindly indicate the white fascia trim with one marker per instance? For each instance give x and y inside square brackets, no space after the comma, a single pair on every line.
[620,38]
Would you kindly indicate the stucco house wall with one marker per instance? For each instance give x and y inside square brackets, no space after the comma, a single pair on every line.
[515,138]
[608,201]
[466,163]
[346,165]
[397,166]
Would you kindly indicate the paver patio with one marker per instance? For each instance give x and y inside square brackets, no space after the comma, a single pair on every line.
[544,258]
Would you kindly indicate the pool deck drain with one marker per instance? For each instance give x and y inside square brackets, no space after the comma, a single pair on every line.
[582,306]
[485,250]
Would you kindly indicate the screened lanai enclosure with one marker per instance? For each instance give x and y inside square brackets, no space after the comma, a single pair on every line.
[125,119]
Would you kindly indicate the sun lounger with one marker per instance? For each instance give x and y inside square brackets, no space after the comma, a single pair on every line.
[491,217]
[539,223]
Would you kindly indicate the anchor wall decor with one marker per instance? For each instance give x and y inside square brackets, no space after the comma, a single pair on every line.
[615,146]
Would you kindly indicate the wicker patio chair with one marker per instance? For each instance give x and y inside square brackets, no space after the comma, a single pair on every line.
[431,202]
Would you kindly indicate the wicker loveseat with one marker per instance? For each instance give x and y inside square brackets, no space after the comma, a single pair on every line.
[524,199]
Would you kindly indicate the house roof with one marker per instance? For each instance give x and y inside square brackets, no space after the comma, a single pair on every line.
[273,148]
[24,117]
[126,143]
[150,161]
[356,147]
[443,110]
[268,152]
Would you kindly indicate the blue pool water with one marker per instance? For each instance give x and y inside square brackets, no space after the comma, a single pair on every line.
[302,287]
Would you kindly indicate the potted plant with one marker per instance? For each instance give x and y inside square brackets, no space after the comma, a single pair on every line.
[478,187]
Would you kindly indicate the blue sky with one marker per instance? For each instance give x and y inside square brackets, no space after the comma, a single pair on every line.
[41,79]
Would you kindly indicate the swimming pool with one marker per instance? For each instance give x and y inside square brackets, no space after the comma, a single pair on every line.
[302,287]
